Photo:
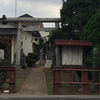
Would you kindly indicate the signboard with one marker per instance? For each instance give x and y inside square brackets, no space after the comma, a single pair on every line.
[72,55]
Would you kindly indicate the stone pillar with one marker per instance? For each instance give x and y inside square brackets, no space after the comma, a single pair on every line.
[56,25]
[18,48]
[57,57]
[41,54]
[1,54]
[93,73]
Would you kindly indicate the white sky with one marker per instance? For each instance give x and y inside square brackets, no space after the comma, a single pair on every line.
[35,8]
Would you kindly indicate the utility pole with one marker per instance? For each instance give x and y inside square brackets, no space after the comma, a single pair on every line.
[15,8]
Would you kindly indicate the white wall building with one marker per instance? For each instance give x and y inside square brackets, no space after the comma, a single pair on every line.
[28,39]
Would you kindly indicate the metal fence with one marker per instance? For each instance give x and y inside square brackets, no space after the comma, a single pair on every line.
[85,82]
[12,78]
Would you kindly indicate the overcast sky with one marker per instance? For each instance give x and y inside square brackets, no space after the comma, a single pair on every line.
[35,8]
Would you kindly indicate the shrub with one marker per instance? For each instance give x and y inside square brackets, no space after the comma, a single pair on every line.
[4,62]
[31,59]
[3,73]
[33,56]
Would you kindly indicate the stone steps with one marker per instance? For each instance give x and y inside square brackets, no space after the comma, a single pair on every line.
[48,63]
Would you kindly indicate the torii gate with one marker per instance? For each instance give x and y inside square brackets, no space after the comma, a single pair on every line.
[20,28]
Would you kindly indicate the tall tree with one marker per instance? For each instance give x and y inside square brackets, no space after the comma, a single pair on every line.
[75,15]
[92,30]
[57,34]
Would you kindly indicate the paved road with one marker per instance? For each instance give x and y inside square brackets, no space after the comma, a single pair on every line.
[49,98]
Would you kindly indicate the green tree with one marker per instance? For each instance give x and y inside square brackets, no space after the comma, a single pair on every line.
[57,34]
[91,31]
[42,44]
[31,59]
[75,15]
[3,73]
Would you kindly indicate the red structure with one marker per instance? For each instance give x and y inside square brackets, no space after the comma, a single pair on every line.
[12,78]
[71,56]
[85,83]
[73,42]
[72,52]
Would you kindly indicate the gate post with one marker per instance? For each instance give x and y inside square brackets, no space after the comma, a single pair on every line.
[56,76]
[70,81]
[18,48]
[99,81]
[85,82]
[12,79]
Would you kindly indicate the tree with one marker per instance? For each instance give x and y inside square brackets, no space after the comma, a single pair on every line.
[57,34]
[3,73]
[91,31]
[75,15]
[42,44]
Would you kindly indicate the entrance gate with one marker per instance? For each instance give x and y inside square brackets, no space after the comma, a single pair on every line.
[12,78]
[85,83]
[21,28]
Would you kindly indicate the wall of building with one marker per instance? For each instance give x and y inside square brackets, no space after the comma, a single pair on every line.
[26,39]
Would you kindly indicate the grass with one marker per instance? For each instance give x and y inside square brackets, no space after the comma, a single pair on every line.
[21,75]
[49,80]
[64,88]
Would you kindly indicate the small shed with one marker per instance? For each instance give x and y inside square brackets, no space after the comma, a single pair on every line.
[72,52]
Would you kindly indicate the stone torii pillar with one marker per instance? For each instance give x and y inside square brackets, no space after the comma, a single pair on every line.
[56,25]
[18,48]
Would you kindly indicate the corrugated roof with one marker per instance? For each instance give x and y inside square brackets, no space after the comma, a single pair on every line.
[8,31]
[73,42]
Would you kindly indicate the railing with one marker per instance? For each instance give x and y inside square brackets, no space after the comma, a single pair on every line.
[12,78]
[85,83]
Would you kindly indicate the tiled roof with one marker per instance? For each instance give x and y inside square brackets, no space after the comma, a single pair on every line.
[25,15]
[8,31]
[36,34]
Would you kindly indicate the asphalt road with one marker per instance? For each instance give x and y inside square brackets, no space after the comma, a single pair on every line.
[49,98]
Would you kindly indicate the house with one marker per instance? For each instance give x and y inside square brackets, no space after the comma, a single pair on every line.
[29,39]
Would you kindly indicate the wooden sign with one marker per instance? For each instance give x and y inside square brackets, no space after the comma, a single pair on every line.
[72,55]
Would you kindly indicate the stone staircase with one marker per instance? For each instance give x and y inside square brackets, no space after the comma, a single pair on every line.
[48,63]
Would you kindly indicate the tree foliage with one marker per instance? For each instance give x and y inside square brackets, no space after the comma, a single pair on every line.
[92,30]
[57,34]
[31,59]
[75,15]
[3,73]
[42,44]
